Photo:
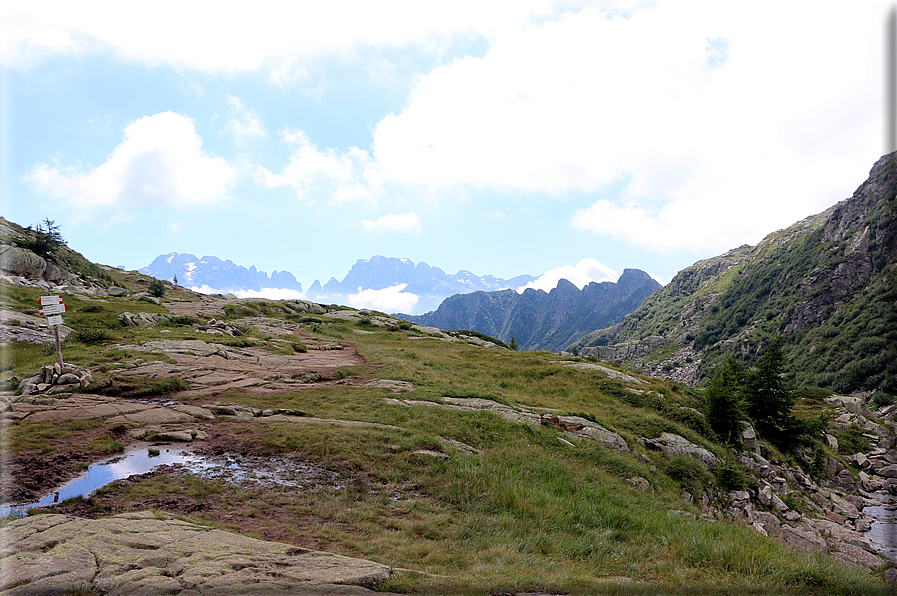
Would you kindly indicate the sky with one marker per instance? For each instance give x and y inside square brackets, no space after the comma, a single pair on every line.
[573,139]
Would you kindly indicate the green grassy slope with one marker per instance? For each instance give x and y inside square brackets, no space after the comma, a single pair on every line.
[528,513]
[826,283]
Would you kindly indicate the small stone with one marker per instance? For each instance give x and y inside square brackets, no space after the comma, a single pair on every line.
[68,379]
[267,412]
[428,453]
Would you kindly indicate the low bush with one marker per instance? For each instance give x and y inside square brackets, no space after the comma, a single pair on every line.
[91,335]
[691,474]
[730,476]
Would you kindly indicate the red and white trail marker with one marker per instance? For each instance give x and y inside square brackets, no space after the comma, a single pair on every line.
[52,307]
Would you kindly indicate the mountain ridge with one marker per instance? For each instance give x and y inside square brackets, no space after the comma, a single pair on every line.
[542,320]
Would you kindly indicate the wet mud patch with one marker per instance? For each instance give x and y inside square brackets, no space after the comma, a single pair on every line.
[259,471]
[267,497]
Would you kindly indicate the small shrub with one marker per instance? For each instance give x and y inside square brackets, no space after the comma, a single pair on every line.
[183,321]
[730,476]
[691,474]
[156,288]
[91,335]
[880,399]
[92,308]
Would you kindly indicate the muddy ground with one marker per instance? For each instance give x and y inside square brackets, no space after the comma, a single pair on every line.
[251,508]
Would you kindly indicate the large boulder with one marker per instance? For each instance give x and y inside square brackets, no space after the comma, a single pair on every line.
[672,444]
[21,262]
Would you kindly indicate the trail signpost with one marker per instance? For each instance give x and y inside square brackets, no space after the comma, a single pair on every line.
[52,308]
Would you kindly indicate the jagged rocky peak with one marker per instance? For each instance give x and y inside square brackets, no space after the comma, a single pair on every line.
[537,319]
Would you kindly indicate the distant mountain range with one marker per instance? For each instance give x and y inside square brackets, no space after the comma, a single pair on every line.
[828,284]
[212,272]
[539,320]
[431,285]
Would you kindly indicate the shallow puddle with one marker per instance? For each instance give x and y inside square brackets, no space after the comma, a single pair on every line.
[244,470]
[134,461]
[883,533]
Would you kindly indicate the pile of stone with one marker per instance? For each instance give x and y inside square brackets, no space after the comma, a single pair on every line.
[56,379]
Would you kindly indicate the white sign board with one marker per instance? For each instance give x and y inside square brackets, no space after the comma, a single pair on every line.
[52,321]
[47,300]
[53,309]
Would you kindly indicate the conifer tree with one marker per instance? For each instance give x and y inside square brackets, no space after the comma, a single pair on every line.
[769,399]
[724,400]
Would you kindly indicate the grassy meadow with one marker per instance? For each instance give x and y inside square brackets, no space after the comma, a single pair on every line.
[528,513]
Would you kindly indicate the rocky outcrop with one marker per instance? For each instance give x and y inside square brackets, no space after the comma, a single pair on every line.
[673,445]
[141,319]
[154,553]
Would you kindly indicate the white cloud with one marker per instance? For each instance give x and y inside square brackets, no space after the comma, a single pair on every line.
[657,278]
[243,124]
[391,299]
[580,275]
[160,161]
[119,219]
[718,122]
[398,222]
[208,37]
[344,176]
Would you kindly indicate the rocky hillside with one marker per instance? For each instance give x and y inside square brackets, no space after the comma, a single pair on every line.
[539,320]
[827,284]
[58,268]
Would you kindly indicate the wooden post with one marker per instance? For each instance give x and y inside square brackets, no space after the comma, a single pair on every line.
[58,347]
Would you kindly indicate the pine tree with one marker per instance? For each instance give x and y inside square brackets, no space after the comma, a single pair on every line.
[44,239]
[769,399]
[513,344]
[724,400]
